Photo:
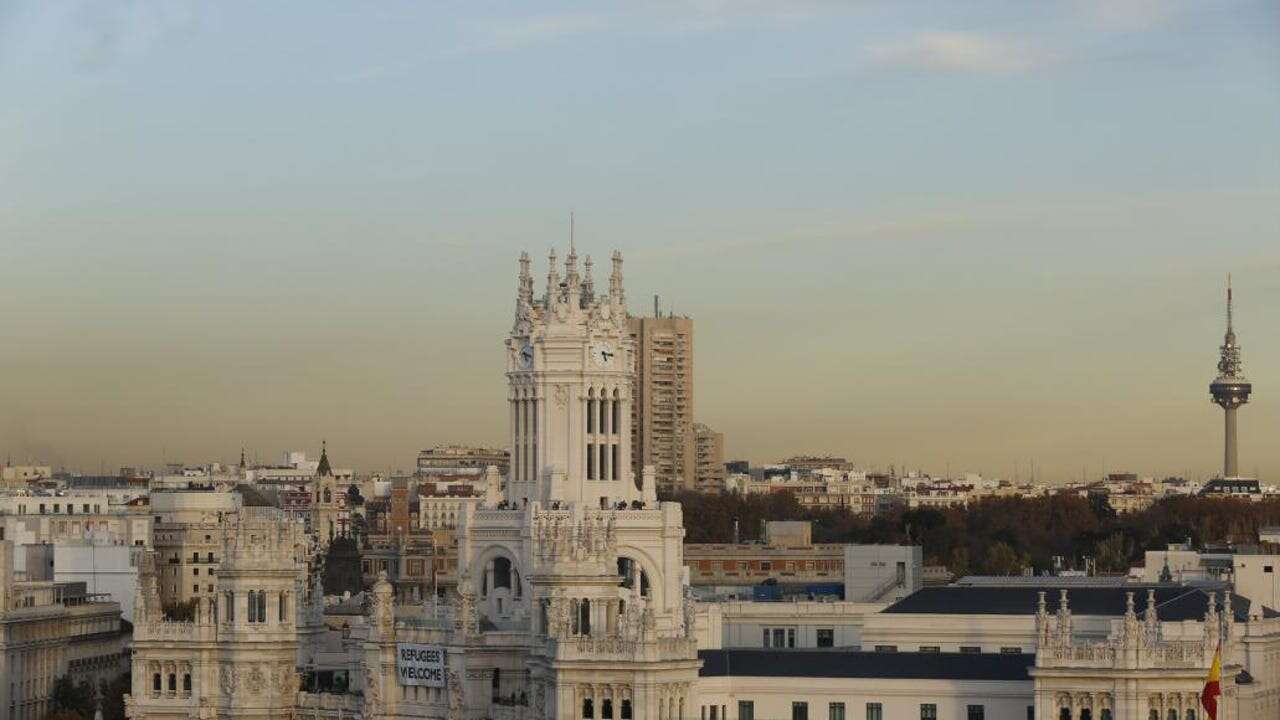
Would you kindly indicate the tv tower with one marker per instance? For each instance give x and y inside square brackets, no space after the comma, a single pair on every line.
[1230,390]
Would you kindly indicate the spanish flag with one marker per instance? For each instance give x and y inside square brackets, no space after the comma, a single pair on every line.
[1212,686]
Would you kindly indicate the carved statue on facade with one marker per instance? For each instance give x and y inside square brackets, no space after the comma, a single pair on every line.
[229,678]
[454,681]
[255,681]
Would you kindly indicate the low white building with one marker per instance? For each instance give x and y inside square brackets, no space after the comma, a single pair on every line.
[110,570]
[791,625]
[882,573]
[823,685]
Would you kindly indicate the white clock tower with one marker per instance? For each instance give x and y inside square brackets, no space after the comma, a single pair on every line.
[570,368]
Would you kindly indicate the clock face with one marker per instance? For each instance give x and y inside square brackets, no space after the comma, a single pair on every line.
[602,353]
[526,356]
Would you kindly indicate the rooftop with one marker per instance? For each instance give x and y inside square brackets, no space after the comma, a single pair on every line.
[876,665]
[1174,603]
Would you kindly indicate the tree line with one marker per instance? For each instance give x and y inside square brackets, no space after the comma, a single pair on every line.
[995,536]
[69,700]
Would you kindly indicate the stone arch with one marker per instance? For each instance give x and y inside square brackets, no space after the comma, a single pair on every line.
[657,587]
[498,602]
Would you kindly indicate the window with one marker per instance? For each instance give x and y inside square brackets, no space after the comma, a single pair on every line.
[886,648]
[588,708]
[928,711]
[626,709]
[155,683]
[195,571]
[1011,650]
[930,649]
[186,683]
[977,712]
[835,711]
[746,710]
[826,637]
[1031,712]
[173,682]
[1106,714]
[970,649]
[715,713]
[875,711]
[1265,569]
[799,710]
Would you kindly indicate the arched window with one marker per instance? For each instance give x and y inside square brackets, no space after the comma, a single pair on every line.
[577,616]
[186,683]
[588,708]
[604,413]
[1153,715]
[155,683]
[626,710]
[584,622]
[606,709]
[1190,715]
[262,606]
[1172,714]
[173,682]
[1086,714]
[591,410]
[631,573]
[1064,714]
[328,496]
[501,573]
[284,604]
[231,607]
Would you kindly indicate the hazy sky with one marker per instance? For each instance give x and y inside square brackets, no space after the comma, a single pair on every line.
[969,234]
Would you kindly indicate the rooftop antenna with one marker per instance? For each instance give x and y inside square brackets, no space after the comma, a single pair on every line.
[1229,304]
[656,313]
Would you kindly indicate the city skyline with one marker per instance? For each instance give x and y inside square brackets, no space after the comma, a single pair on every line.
[906,238]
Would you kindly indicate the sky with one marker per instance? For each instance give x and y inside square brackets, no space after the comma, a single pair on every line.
[967,236]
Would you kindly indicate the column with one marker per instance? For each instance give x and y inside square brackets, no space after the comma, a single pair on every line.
[1229,468]
[514,471]
[535,462]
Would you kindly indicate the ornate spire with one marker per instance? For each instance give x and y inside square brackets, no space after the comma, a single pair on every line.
[573,282]
[242,463]
[323,469]
[525,288]
[588,284]
[1211,624]
[1064,618]
[1150,620]
[615,281]
[553,280]
[1132,634]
